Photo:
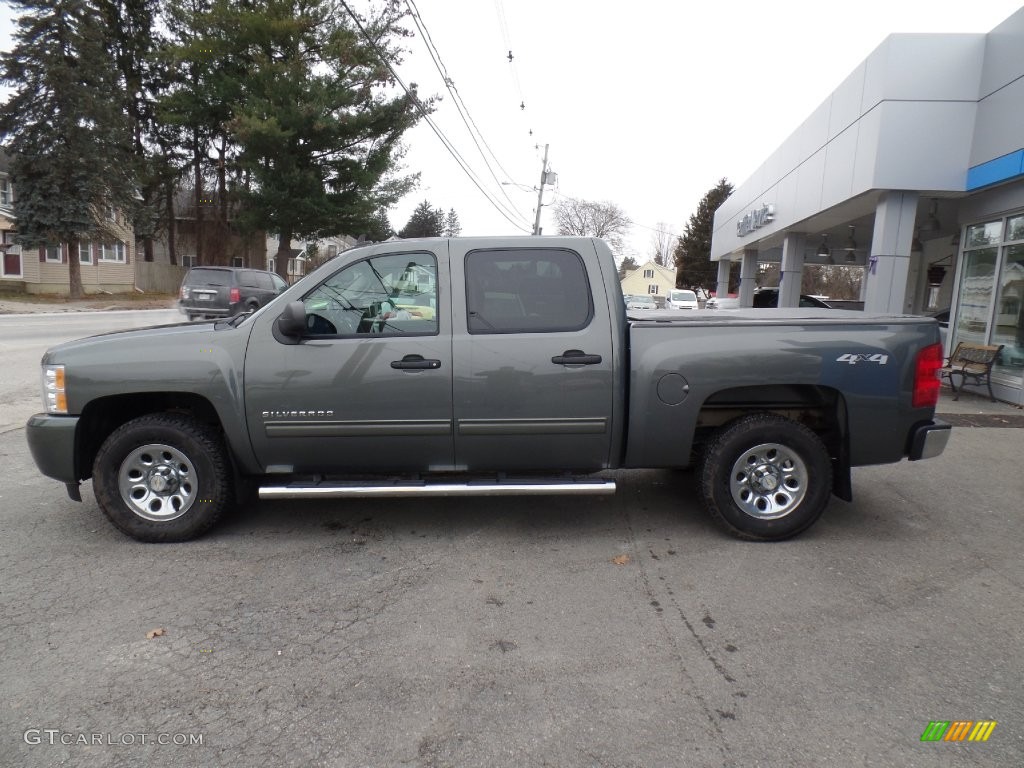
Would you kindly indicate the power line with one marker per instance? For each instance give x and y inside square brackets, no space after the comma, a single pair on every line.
[503,24]
[460,105]
[426,116]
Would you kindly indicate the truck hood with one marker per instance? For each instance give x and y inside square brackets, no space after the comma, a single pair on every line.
[123,343]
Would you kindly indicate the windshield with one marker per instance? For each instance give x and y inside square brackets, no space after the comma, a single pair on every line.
[684,296]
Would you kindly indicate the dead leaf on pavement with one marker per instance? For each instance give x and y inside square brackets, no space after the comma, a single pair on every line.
[621,559]
[156,633]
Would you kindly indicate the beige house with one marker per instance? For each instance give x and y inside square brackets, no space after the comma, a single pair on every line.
[108,264]
[650,278]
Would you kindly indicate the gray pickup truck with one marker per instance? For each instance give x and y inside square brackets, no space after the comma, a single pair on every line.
[479,366]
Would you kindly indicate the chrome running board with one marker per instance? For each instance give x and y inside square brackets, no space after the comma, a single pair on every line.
[353,490]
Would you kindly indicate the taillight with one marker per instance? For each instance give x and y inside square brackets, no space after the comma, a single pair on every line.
[926,377]
[236,296]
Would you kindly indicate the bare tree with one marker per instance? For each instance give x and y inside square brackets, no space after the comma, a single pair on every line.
[592,219]
[663,244]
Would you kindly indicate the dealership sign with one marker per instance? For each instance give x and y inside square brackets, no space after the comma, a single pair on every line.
[756,219]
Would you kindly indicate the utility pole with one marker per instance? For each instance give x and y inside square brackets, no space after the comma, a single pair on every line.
[540,190]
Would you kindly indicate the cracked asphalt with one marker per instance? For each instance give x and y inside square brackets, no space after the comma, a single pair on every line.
[499,632]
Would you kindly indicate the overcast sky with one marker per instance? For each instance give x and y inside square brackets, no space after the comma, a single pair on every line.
[646,104]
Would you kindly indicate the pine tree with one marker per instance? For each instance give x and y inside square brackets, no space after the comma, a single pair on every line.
[317,131]
[379,228]
[205,68]
[424,222]
[452,227]
[694,268]
[628,265]
[64,126]
[133,43]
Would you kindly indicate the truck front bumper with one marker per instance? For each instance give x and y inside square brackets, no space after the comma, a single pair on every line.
[929,440]
[51,439]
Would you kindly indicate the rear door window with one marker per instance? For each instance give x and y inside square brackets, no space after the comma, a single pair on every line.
[535,290]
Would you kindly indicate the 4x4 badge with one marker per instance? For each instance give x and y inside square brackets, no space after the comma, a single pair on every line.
[853,359]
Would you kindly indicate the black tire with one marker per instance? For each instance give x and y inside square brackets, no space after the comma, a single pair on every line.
[163,478]
[766,478]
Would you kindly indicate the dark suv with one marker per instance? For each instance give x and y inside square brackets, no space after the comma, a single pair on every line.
[226,291]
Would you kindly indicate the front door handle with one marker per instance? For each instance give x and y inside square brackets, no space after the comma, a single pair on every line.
[415,363]
[575,357]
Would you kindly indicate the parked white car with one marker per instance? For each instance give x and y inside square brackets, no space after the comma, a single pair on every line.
[724,303]
[681,299]
[641,302]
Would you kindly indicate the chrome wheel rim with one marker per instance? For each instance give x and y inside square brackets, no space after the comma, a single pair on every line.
[768,481]
[157,482]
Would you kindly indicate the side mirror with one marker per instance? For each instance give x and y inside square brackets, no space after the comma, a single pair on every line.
[291,324]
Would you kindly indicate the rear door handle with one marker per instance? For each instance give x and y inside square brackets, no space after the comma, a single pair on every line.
[575,357]
[415,363]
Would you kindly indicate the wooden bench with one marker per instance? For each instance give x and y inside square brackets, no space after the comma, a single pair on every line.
[971,361]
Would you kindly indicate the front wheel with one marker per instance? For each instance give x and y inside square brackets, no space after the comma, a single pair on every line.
[163,478]
[766,478]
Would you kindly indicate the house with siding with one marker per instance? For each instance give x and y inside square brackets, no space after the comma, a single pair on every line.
[107,262]
[650,278]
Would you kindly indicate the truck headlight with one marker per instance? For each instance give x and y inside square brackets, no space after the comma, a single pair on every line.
[55,398]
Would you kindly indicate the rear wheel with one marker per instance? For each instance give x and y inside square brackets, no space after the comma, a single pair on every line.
[163,478]
[766,478]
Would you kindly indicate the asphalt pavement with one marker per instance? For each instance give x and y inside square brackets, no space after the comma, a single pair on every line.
[611,631]
[594,631]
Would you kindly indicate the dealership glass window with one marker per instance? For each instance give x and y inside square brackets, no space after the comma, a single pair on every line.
[977,281]
[1015,228]
[990,307]
[1008,325]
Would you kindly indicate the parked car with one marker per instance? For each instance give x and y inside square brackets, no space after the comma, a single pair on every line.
[769,297]
[722,303]
[766,298]
[227,291]
[942,317]
[641,302]
[681,299]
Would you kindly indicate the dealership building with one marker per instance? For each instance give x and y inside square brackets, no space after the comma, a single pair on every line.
[912,170]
